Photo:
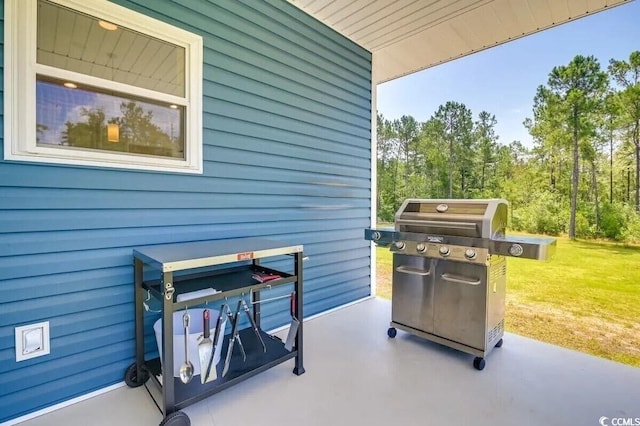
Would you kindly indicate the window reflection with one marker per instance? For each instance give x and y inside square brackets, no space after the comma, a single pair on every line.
[88,118]
[77,42]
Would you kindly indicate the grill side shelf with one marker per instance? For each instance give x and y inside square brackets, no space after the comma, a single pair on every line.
[538,248]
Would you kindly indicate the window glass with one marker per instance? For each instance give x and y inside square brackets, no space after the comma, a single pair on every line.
[93,83]
[88,118]
[73,41]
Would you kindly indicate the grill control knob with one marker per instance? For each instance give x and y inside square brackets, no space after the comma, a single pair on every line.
[470,254]
[444,251]
[421,248]
[516,250]
[400,245]
[376,236]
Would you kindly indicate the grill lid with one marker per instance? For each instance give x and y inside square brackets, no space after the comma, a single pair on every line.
[463,218]
[459,230]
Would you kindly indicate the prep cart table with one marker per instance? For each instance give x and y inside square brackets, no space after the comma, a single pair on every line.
[243,258]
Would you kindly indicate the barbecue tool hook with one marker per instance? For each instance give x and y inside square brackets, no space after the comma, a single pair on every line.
[147,306]
[271,299]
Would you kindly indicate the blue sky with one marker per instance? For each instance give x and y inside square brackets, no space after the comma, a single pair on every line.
[503,80]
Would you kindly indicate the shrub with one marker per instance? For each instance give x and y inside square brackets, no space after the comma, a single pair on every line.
[612,220]
[584,228]
[620,222]
[631,231]
[543,214]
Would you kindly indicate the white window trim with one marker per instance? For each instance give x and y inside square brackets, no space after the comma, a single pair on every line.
[20,70]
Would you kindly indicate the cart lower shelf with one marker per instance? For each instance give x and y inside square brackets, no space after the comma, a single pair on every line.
[257,361]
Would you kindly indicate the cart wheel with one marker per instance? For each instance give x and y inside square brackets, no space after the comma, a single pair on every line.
[391,332]
[177,418]
[499,344]
[478,363]
[131,376]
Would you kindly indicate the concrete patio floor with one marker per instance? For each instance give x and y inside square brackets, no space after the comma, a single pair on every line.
[356,375]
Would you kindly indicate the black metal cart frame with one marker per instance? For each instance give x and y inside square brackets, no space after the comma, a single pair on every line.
[243,256]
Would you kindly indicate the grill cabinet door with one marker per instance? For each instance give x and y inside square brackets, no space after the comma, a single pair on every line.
[460,293]
[412,293]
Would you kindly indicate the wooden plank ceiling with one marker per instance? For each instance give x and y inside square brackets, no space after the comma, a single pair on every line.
[406,36]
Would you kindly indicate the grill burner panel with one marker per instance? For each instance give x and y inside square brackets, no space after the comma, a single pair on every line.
[449,270]
[460,253]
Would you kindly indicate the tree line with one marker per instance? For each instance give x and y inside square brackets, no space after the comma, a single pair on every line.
[581,177]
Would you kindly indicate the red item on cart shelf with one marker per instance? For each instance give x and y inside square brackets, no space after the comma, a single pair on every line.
[263,277]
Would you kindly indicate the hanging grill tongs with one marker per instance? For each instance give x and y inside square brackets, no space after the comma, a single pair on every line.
[235,333]
[247,311]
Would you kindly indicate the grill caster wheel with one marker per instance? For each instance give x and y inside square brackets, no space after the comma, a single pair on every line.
[499,344]
[478,363]
[391,332]
[131,376]
[177,418]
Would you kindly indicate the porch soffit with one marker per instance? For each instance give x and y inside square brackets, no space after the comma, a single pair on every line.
[406,36]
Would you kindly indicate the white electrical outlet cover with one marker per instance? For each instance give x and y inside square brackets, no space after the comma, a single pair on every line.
[32,340]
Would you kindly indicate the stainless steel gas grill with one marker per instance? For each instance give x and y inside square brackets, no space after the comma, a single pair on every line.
[449,271]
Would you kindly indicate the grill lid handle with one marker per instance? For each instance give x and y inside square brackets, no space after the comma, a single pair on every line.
[469,226]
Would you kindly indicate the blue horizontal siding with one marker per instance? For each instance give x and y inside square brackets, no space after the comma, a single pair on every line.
[49,177]
[258,94]
[265,163]
[57,219]
[19,244]
[308,98]
[247,196]
[229,109]
[287,155]
[353,156]
[69,386]
[51,285]
[297,28]
[317,142]
[33,265]
[275,73]
[243,97]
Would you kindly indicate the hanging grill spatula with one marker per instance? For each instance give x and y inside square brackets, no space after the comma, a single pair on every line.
[205,346]
[295,324]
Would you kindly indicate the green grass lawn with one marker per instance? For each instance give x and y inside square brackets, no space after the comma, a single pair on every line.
[587,297]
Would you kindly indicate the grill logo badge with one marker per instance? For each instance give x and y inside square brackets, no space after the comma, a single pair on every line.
[245,256]
[435,239]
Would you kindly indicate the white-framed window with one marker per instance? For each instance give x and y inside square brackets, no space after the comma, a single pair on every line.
[95,84]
